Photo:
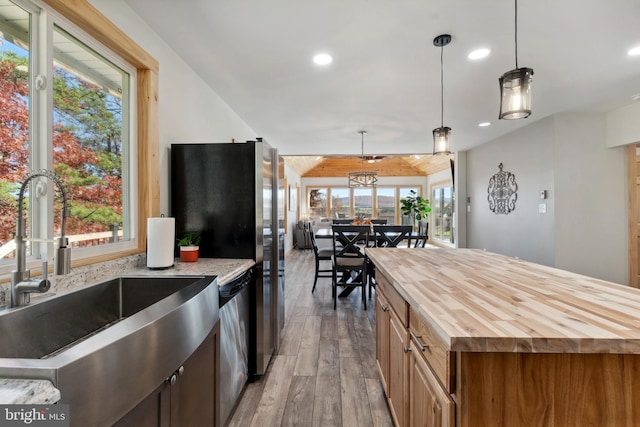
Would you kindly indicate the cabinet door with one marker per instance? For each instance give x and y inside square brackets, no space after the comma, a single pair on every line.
[154,411]
[429,404]
[193,396]
[398,370]
[382,339]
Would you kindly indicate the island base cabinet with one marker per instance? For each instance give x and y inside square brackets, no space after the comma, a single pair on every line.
[539,390]
[382,340]
[188,397]
[398,381]
[429,404]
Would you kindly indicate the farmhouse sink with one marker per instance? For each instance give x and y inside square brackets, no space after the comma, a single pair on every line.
[108,345]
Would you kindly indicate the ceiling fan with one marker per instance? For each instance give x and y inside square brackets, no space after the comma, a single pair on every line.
[373,159]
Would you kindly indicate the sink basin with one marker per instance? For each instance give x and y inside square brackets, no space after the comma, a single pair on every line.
[108,345]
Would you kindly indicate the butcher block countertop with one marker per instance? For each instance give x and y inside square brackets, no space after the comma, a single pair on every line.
[479,301]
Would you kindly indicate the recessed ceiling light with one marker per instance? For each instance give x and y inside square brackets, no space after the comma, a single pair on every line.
[322,59]
[479,53]
[634,51]
[484,124]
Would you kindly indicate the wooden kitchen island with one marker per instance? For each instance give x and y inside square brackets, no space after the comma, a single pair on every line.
[466,337]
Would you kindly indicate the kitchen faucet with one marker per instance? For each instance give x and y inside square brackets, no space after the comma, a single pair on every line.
[21,283]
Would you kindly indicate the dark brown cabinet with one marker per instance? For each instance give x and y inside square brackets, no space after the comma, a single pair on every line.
[188,397]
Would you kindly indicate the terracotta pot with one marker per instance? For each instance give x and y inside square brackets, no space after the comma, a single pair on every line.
[189,253]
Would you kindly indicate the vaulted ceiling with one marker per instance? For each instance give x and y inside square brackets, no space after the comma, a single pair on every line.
[318,166]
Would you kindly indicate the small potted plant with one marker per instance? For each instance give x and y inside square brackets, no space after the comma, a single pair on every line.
[415,207]
[189,249]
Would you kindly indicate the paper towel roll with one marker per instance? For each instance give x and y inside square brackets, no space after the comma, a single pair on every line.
[161,239]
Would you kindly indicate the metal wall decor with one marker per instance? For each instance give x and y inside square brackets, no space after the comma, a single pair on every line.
[502,192]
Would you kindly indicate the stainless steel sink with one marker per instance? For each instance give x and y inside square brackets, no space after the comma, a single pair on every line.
[108,345]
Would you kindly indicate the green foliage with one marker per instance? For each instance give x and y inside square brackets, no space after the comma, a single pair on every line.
[87,146]
[415,206]
[189,239]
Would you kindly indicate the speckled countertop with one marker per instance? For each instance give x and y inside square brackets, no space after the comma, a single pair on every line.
[25,391]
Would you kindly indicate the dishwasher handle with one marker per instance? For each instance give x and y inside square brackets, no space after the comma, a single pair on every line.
[237,284]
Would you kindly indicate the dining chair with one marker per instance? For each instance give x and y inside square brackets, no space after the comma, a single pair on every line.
[320,254]
[349,261]
[342,221]
[387,236]
[423,235]
[379,221]
[390,236]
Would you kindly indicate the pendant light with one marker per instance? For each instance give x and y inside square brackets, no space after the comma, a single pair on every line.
[515,87]
[362,178]
[441,134]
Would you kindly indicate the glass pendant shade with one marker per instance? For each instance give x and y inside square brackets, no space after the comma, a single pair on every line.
[441,140]
[515,94]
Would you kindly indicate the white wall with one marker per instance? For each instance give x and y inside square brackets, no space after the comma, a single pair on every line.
[591,199]
[189,110]
[584,229]
[523,233]
[623,125]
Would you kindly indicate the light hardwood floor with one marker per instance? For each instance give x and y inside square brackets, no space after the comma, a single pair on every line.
[324,373]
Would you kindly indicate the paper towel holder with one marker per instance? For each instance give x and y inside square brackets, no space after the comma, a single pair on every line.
[160,242]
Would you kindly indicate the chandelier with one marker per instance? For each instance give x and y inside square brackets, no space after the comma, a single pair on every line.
[362,178]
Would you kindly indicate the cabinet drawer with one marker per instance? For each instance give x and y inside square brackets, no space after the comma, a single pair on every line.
[397,303]
[436,352]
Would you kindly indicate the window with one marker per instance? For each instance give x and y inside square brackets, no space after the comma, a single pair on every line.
[340,202]
[317,203]
[386,205]
[363,202]
[343,202]
[73,115]
[442,213]
[404,192]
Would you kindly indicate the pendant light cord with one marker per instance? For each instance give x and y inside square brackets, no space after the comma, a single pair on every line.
[516,34]
[441,87]
[362,150]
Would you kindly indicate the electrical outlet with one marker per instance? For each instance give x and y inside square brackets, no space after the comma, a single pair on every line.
[542,208]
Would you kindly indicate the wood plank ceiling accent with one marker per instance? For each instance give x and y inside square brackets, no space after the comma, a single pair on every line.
[322,167]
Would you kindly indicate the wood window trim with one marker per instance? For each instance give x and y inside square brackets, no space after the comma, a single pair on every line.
[94,23]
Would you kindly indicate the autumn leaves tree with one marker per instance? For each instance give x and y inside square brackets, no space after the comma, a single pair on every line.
[87,147]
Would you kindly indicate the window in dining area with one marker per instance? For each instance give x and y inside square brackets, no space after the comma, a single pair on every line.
[325,203]
[363,202]
[404,192]
[442,213]
[318,203]
[340,202]
[386,204]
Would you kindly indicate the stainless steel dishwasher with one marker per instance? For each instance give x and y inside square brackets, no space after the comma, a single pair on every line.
[235,299]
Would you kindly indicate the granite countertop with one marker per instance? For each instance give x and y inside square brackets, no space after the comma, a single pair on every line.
[485,302]
[26,391]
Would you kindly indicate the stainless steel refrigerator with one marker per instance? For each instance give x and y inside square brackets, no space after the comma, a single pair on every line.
[232,194]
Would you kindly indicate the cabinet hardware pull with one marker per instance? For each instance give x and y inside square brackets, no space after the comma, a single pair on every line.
[416,339]
[173,379]
[406,349]
[385,308]
[181,370]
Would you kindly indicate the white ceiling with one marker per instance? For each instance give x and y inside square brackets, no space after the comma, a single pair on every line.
[385,76]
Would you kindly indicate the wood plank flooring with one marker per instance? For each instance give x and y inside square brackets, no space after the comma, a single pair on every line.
[324,373]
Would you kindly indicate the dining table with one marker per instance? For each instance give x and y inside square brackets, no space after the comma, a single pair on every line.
[327,233]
